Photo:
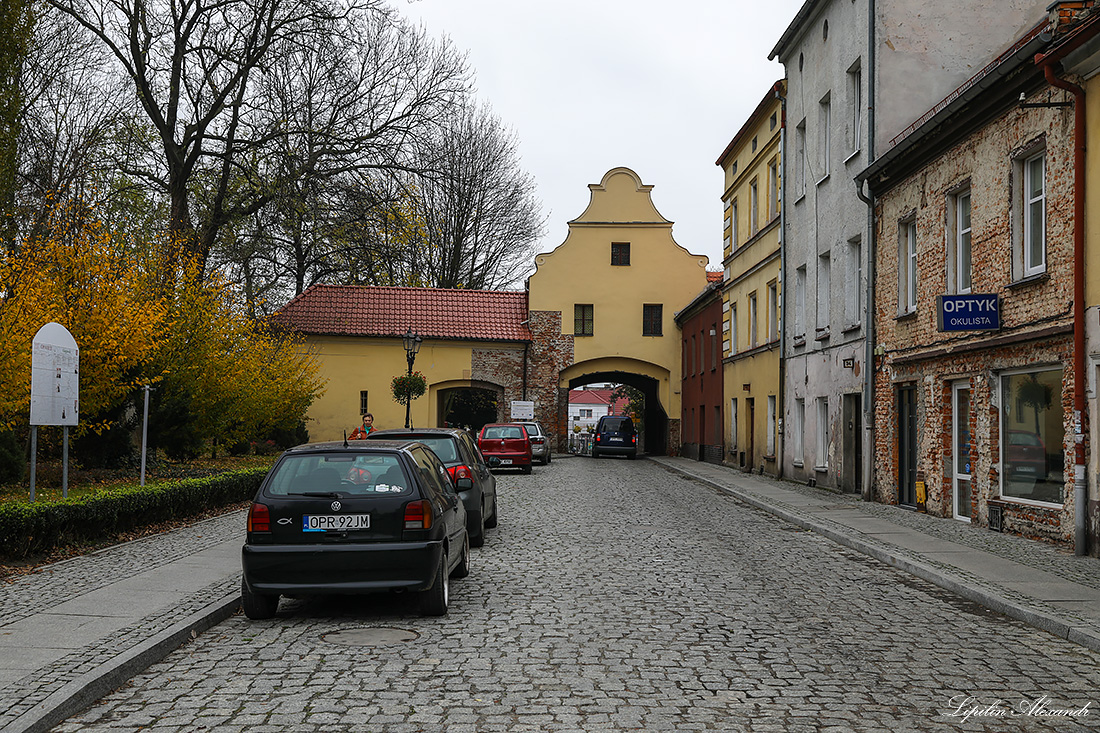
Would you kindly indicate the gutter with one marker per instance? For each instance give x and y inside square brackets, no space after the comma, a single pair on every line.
[781,442]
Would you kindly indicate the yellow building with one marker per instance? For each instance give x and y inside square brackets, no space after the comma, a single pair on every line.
[616,282]
[752,287]
[475,348]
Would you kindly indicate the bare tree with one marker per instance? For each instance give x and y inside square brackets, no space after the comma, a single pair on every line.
[16,24]
[482,217]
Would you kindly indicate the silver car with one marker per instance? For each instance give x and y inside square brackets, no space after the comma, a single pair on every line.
[540,442]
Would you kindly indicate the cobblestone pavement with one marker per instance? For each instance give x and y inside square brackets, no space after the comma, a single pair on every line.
[617,596]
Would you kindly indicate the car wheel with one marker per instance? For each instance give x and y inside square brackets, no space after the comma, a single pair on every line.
[433,601]
[546,459]
[595,453]
[527,469]
[492,520]
[463,568]
[257,606]
[478,540]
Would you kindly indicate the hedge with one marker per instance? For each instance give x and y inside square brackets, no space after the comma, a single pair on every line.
[28,528]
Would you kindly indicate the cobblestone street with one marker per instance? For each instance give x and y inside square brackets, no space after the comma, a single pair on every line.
[615,595]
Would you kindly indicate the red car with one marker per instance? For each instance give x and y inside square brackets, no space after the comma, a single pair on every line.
[508,443]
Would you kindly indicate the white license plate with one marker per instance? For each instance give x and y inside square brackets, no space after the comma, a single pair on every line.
[506,461]
[614,440]
[334,522]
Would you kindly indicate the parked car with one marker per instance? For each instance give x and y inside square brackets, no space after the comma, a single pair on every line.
[1025,455]
[615,435]
[540,442]
[350,518]
[508,443]
[456,449]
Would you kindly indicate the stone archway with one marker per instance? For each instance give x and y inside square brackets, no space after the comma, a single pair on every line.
[655,430]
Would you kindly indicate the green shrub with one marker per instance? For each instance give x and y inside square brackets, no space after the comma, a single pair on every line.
[32,528]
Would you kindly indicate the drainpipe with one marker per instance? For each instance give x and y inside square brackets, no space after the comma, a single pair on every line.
[778,90]
[869,273]
[1080,485]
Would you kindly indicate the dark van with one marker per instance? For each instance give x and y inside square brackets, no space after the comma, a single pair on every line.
[615,436]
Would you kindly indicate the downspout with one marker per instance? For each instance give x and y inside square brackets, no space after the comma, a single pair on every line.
[1080,485]
[526,345]
[869,273]
[778,89]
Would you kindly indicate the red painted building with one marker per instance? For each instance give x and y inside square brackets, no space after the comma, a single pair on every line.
[700,323]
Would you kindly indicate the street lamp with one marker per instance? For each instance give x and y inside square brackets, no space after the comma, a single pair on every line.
[411,342]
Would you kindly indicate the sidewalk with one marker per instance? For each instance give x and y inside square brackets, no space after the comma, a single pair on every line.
[1039,584]
[82,627]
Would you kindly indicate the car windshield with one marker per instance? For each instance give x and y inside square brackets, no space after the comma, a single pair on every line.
[503,432]
[338,473]
[618,425]
[443,446]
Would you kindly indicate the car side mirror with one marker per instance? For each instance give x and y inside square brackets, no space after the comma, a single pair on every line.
[494,462]
[464,484]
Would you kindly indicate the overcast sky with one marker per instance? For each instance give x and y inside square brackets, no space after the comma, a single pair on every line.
[590,85]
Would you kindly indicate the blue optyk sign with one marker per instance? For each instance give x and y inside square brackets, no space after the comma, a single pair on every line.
[973,312]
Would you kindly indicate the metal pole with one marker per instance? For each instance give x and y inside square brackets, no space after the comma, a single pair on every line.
[34,455]
[144,432]
[65,462]
[408,394]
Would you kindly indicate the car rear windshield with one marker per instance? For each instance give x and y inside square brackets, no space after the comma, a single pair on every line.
[532,429]
[348,473]
[618,425]
[443,446]
[503,432]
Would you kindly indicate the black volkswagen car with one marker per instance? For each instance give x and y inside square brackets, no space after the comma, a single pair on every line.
[350,518]
[615,436]
[463,460]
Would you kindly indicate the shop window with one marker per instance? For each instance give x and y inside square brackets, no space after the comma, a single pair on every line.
[1033,436]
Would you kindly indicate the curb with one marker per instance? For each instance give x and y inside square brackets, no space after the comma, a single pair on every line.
[1083,636]
[81,692]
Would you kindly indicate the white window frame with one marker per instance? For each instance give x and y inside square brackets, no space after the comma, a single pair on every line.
[852,290]
[1030,265]
[773,311]
[964,273]
[773,189]
[733,423]
[824,293]
[800,158]
[754,207]
[770,448]
[822,457]
[800,301]
[753,331]
[799,431]
[907,267]
[825,119]
[733,328]
[855,105]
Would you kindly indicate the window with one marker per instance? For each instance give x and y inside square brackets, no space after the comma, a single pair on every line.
[363,403]
[1034,214]
[907,267]
[773,311]
[586,412]
[799,443]
[855,106]
[772,122]
[733,423]
[693,362]
[752,321]
[853,275]
[753,145]
[960,241]
[583,320]
[800,157]
[754,207]
[770,440]
[1033,436]
[733,224]
[652,319]
[824,295]
[733,328]
[824,117]
[822,432]
[726,225]
[800,302]
[773,189]
[620,253]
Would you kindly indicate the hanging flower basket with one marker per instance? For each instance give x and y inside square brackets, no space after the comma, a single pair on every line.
[408,387]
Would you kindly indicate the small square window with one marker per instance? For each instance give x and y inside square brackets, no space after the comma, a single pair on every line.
[620,253]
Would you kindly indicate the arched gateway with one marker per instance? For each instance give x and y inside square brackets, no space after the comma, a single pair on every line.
[600,307]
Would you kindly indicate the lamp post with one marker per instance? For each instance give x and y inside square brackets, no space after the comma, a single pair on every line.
[411,342]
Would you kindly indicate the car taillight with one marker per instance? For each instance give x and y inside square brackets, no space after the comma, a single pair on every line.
[460,471]
[538,441]
[259,518]
[418,514]
[597,437]
[634,440]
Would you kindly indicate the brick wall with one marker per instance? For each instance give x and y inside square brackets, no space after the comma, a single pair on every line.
[551,352]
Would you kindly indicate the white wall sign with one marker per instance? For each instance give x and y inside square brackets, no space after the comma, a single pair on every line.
[55,377]
[522,410]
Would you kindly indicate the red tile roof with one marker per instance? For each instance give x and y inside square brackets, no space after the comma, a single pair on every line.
[589,396]
[714,277]
[358,310]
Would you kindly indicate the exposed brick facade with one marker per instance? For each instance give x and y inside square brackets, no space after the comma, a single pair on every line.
[1035,315]
[551,352]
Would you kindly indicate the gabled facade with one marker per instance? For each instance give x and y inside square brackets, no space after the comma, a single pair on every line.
[752,289]
[975,264]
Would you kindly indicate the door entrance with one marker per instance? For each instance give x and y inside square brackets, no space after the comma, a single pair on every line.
[852,470]
[960,452]
[750,403]
[907,446]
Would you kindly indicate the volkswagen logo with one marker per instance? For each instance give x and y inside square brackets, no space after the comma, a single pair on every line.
[335,506]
